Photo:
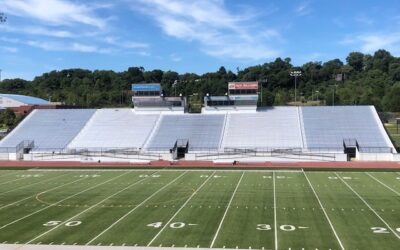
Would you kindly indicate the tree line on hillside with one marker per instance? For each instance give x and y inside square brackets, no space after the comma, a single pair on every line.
[362,79]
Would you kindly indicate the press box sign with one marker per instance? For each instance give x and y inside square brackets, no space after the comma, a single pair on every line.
[243,85]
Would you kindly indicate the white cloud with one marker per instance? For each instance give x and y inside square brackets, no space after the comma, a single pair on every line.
[9,49]
[219,32]
[175,57]
[55,12]
[364,20]
[61,46]
[84,48]
[117,41]
[303,9]
[37,30]
[371,42]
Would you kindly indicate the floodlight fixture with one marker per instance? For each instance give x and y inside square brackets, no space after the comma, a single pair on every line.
[295,74]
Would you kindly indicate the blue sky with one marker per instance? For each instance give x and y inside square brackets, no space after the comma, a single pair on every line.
[188,35]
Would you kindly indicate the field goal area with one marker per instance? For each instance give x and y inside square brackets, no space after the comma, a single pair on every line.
[200,208]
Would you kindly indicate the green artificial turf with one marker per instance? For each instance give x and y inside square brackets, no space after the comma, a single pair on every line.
[257,209]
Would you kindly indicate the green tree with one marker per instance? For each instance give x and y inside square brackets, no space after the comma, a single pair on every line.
[7,118]
[356,60]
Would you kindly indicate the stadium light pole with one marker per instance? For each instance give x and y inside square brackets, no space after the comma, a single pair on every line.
[174,85]
[262,81]
[295,74]
[333,94]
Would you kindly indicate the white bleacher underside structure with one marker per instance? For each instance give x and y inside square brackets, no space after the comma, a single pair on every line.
[270,134]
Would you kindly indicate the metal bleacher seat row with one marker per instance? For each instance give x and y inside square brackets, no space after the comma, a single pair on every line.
[49,129]
[114,129]
[267,129]
[327,127]
[202,131]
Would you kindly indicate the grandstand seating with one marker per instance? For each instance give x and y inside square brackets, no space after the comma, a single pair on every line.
[327,127]
[202,131]
[115,128]
[49,129]
[271,128]
[278,130]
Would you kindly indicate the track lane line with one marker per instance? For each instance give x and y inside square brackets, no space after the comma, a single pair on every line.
[369,206]
[177,212]
[226,211]
[383,184]
[325,213]
[89,208]
[90,188]
[275,218]
[132,210]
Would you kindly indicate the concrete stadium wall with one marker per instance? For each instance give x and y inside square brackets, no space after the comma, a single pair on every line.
[375,156]
[396,157]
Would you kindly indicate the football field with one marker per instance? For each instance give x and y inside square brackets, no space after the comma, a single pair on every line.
[236,209]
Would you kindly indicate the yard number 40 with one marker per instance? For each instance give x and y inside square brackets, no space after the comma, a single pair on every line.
[382,230]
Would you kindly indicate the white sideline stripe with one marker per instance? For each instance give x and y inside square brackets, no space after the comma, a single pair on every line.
[366,203]
[323,209]
[55,177]
[43,192]
[2,183]
[26,216]
[171,170]
[84,211]
[9,246]
[394,191]
[226,211]
[128,213]
[184,204]
[275,219]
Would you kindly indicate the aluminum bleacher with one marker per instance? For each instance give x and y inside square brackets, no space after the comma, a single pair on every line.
[271,128]
[283,133]
[327,127]
[113,129]
[49,129]
[202,131]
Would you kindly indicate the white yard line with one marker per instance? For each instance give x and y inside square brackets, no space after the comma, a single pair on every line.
[2,183]
[31,196]
[177,212]
[391,189]
[55,177]
[132,210]
[226,211]
[275,218]
[89,208]
[325,213]
[26,216]
[366,203]
[11,173]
